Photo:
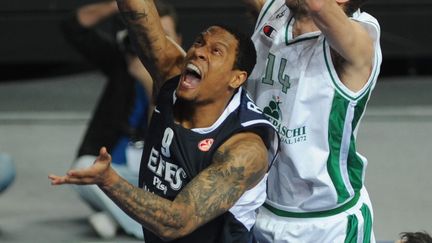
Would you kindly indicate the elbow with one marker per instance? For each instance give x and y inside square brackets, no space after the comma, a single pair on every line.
[182,224]
[170,235]
[173,233]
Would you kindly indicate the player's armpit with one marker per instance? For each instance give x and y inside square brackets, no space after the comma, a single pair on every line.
[348,39]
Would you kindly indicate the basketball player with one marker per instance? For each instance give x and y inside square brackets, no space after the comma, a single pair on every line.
[204,165]
[121,116]
[414,237]
[318,62]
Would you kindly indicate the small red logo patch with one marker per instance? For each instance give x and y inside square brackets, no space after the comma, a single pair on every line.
[269,31]
[205,144]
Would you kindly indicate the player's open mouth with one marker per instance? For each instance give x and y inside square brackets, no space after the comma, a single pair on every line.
[191,76]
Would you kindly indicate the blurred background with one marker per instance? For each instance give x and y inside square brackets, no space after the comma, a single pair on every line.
[31,44]
[48,91]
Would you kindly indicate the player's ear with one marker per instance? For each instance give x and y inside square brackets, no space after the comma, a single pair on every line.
[238,78]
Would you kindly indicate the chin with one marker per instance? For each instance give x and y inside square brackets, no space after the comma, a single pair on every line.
[184,96]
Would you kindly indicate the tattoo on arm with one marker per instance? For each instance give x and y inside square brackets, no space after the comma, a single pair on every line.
[214,191]
[153,212]
[133,16]
[143,38]
[218,188]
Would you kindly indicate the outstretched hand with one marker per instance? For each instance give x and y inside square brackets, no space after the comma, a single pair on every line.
[100,173]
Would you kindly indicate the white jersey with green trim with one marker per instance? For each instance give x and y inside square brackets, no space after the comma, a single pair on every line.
[295,83]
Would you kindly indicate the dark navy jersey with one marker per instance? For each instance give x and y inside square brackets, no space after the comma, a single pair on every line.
[174,155]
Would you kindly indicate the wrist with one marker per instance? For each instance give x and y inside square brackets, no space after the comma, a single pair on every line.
[110,179]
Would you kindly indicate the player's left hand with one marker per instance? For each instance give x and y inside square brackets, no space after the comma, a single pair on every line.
[100,173]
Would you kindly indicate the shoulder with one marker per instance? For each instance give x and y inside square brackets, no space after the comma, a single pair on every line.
[369,23]
[249,113]
[269,9]
[253,119]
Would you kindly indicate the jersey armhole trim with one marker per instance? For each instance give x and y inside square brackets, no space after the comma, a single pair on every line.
[263,14]
[274,146]
[340,87]
[305,37]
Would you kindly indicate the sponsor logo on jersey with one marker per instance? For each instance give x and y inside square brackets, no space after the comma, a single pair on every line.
[274,114]
[269,31]
[280,15]
[205,144]
[273,109]
[166,173]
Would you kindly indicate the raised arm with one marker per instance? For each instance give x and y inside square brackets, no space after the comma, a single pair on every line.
[79,30]
[90,15]
[347,38]
[161,56]
[238,165]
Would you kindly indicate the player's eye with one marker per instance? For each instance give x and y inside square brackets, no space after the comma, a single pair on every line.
[217,51]
[198,41]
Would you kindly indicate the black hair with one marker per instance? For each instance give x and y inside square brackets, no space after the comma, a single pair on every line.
[245,53]
[416,237]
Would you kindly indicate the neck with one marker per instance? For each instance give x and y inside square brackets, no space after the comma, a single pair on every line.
[190,114]
[303,24]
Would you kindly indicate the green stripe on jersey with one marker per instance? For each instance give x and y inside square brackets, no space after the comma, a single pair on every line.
[367,225]
[335,135]
[355,163]
[351,234]
[332,73]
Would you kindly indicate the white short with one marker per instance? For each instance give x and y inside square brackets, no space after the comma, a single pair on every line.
[351,226]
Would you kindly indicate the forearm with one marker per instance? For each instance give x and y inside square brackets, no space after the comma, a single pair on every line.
[161,216]
[328,16]
[157,53]
[157,214]
[237,166]
[90,15]
[344,35]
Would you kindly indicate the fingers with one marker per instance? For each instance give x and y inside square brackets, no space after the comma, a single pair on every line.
[82,173]
[56,180]
[61,180]
[86,176]
[104,152]
[104,156]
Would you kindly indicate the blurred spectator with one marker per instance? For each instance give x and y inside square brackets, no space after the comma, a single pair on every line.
[120,119]
[7,171]
[414,237]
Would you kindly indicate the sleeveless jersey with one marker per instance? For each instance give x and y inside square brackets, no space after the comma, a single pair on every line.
[318,171]
[174,155]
